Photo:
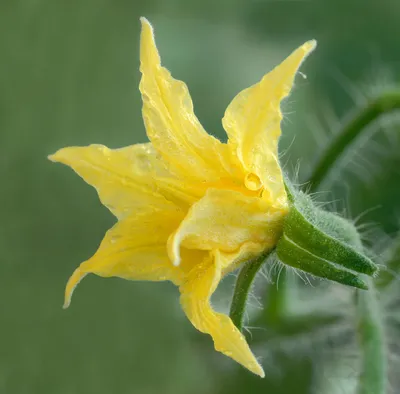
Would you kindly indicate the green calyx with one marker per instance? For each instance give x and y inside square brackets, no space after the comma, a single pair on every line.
[322,243]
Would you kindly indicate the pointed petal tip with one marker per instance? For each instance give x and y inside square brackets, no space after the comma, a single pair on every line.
[258,370]
[52,157]
[310,45]
[307,48]
[66,304]
[149,56]
[145,22]
[58,156]
[73,281]
[147,30]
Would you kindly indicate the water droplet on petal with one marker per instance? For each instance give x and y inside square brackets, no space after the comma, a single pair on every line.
[253,182]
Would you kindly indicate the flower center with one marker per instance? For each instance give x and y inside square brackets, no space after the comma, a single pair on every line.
[253,182]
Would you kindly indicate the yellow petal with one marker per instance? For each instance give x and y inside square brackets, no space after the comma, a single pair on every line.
[171,123]
[196,291]
[134,249]
[225,219]
[252,122]
[127,179]
[230,261]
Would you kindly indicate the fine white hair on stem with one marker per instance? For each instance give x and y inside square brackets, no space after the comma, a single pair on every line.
[264,274]
[361,215]
[258,304]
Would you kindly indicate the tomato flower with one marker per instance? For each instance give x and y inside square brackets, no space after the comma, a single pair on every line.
[190,208]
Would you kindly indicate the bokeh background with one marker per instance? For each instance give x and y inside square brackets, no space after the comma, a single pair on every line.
[69,76]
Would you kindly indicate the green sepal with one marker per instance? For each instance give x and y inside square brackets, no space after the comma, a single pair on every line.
[294,255]
[322,243]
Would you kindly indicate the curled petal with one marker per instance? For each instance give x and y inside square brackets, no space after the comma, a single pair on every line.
[225,220]
[196,291]
[134,249]
[252,122]
[230,261]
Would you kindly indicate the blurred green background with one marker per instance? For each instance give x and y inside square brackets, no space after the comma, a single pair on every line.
[69,76]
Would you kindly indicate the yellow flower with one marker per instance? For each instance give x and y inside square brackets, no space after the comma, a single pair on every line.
[190,208]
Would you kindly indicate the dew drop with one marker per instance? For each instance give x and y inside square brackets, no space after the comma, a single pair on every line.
[252,182]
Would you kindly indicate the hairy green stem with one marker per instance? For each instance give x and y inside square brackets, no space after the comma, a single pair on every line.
[381,105]
[371,336]
[242,288]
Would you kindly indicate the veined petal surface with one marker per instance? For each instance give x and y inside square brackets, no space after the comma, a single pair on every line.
[252,122]
[196,291]
[127,179]
[225,220]
[171,124]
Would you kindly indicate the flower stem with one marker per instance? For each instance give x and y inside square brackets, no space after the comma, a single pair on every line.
[371,339]
[371,333]
[381,105]
[242,288]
